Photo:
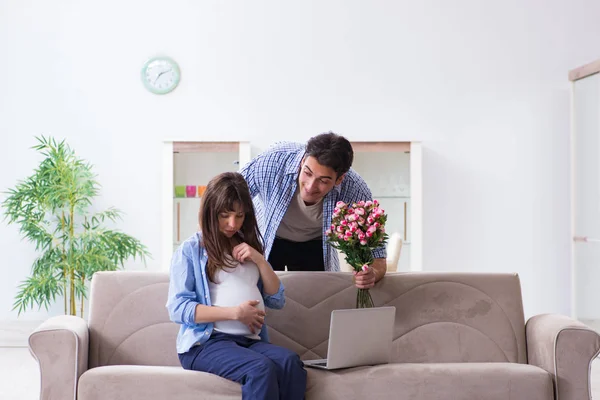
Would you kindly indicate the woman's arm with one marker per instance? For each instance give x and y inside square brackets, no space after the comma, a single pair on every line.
[246,313]
[269,278]
[205,314]
[182,299]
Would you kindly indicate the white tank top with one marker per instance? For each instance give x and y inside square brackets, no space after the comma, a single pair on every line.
[232,287]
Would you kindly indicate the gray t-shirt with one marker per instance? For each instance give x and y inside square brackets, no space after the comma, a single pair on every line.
[301,223]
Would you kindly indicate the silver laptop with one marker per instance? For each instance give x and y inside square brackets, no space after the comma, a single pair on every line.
[358,337]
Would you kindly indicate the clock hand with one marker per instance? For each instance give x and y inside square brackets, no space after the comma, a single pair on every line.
[160,74]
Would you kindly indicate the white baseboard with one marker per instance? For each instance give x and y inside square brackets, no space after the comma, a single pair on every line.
[15,333]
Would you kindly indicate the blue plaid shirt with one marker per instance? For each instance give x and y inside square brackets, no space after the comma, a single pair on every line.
[273,178]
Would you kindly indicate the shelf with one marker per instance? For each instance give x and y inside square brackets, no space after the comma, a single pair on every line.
[205,147]
[377,147]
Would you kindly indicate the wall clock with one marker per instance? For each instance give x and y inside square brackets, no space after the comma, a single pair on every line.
[160,75]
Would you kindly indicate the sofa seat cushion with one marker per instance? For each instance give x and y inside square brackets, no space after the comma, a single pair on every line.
[133,382]
[448,381]
[463,381]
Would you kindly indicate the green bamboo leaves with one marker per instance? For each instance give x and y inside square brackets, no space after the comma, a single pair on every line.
[52,209]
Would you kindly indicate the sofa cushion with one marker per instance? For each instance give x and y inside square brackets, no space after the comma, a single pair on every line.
[451,381]
[132,382]
[464,381]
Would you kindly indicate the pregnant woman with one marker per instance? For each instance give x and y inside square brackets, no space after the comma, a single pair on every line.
[220,284]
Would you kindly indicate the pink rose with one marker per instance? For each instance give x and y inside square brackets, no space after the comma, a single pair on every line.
[340,204]
[364,242]
[365,268]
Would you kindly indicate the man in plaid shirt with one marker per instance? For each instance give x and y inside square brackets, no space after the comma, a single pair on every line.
[295,189]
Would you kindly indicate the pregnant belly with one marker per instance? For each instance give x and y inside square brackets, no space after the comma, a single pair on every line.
[227,297]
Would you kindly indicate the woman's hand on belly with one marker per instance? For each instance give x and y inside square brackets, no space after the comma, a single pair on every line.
[249,315]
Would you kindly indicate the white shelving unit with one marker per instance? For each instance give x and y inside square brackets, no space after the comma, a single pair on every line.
[192,164]
[393,172]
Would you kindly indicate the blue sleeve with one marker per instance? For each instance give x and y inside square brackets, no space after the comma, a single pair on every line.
[182,299]
[275,301]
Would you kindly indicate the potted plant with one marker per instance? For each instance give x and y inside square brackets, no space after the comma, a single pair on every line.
[52,209]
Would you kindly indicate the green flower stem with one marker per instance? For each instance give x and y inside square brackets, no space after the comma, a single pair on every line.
[364,299]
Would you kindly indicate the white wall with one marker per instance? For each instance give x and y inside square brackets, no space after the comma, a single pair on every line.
[483,84]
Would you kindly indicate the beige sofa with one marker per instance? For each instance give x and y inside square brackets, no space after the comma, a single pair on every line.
[457,337]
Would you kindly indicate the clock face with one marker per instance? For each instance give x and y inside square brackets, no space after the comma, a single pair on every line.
[160,75]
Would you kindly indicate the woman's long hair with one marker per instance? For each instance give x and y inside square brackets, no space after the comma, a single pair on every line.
[222,192]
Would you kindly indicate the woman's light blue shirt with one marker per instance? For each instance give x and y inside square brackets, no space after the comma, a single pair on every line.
[188,287]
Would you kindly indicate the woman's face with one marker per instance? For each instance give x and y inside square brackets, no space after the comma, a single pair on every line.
[231,221]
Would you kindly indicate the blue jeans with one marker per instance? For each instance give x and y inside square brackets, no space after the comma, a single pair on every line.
[265,371]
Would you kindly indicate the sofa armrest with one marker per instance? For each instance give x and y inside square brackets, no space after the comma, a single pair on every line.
[60,346]
[565,348]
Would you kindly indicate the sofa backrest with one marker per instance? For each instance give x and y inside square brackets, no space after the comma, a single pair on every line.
[440,317]
[128,321]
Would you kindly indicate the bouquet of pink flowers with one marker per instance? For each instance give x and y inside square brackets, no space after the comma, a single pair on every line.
[356,230]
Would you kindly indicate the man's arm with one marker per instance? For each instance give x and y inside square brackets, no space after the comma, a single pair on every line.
[366,280]
[249,174]
[379,267]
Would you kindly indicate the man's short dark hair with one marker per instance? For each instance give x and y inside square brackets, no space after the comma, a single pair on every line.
[331,150]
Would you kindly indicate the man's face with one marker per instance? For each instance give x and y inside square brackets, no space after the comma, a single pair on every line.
[316,180]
